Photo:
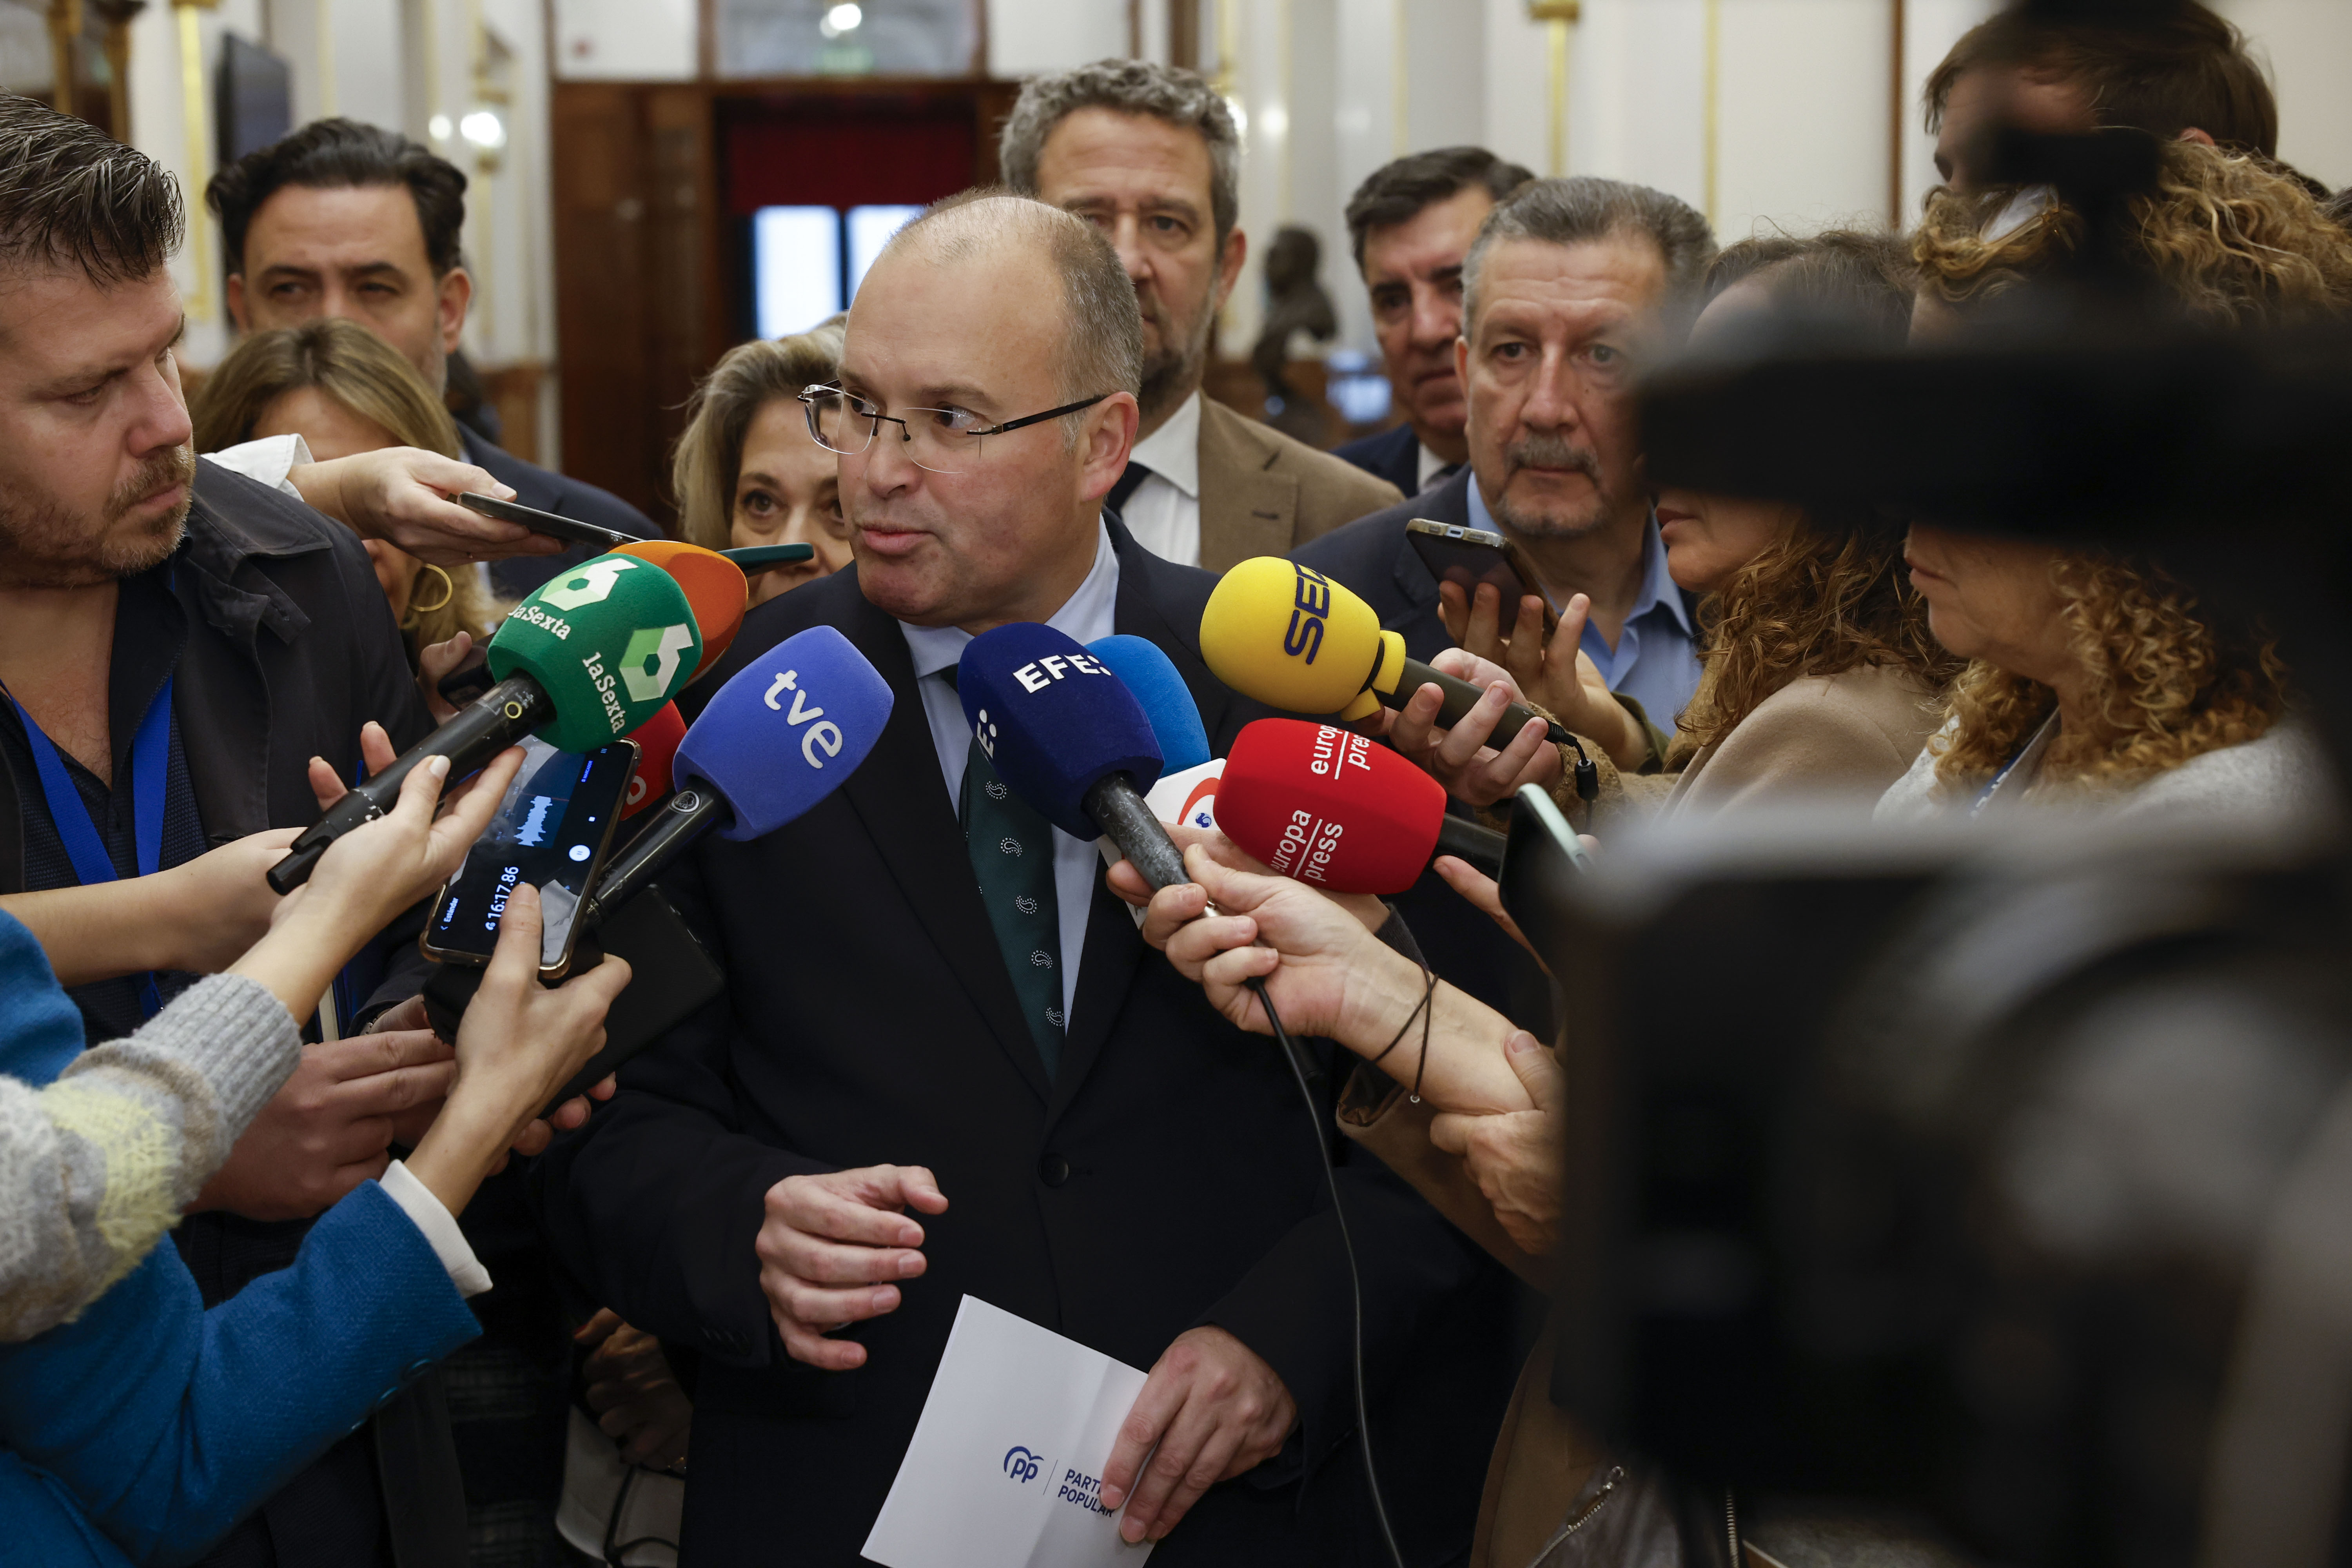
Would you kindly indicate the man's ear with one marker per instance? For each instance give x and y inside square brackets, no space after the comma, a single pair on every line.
[1229,266]
[1462,362]
[2200,137]
[1110,439]
[234,297]
[454,293]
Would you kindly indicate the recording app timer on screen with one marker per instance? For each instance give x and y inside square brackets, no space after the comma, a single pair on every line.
[549,831]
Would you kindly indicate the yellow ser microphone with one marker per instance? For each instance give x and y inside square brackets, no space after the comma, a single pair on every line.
[1292,639]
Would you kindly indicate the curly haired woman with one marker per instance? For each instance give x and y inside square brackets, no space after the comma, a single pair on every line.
[2093,674]
[1820,678]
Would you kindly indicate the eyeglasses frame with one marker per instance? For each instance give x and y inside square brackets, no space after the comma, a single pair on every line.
[807,397]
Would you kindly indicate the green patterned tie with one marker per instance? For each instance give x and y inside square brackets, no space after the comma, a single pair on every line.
[1012,850]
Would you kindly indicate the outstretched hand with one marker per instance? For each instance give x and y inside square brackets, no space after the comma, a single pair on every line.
[400,495]
[1555,673]
[1475,764]
[1127,884]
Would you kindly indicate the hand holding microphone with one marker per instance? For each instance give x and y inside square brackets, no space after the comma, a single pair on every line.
[1069,738]
[783,733]
[1295,639]
[583,661]
[1476,761]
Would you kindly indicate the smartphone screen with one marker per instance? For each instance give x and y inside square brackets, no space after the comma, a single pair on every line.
[550,830]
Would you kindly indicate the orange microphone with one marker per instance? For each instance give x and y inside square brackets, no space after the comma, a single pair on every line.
[715,587]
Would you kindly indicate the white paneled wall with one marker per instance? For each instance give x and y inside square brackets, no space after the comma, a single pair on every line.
[1777,166]
[2309,45]
[1760,112]
[418,66]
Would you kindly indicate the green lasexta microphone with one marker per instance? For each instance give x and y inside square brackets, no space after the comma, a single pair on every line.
[580,663]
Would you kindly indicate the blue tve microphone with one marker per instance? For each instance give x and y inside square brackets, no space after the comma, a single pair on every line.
[1167,700]
[1067,737]
[778,737]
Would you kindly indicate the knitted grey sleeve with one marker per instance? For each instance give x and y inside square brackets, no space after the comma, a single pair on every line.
[97,1166]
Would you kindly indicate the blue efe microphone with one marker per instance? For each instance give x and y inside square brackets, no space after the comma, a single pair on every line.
[1069,738]
[1167,701]
[778,737]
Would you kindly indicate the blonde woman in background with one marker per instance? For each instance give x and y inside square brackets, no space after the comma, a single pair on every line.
[747,471]
[344,390]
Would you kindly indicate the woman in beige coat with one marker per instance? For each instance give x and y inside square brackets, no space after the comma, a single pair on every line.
[1821,678]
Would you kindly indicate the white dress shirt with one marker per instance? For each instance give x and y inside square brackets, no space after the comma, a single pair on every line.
[1427,464]
[439,1227]
[1164,513]
[1088,615]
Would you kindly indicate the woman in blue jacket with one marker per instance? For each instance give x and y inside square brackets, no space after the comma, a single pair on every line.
[140,1431]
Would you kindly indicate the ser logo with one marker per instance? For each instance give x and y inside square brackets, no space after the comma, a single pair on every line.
[820,737]
[1021,1465]
[1310,602]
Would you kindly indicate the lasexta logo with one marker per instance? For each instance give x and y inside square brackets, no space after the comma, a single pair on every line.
[650,661]
[591,584]
[1020,1464]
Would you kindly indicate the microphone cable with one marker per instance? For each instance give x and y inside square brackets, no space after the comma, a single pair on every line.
[1291,1054]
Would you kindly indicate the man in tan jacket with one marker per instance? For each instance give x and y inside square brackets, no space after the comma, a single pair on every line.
[1149,154]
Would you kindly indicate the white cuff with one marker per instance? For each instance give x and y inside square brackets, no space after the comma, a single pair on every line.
[448,1243]
[267,461]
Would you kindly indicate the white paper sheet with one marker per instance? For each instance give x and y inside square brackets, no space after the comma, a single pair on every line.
[1006,1461]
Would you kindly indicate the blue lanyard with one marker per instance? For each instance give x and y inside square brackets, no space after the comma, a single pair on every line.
[85,846]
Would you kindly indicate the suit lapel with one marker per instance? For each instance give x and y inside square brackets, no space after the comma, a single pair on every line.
[1246,510]
[901,796]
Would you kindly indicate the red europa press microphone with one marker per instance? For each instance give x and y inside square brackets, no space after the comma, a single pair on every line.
[1328,807]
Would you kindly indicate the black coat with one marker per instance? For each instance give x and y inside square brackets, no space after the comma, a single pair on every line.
[291,648]
[1167,1179]
[1393,454]
[544,489]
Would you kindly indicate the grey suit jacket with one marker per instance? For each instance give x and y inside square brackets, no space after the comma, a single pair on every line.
[1262,493]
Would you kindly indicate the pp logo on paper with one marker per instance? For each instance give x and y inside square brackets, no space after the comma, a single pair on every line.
[1021,1465]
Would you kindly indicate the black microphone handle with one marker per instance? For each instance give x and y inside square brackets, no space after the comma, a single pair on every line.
[495,720]
[1119,810]
[1481,846]
[690,813]
[1460,698]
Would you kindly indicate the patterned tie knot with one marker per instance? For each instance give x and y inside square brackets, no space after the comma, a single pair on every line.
[1010,846]
[1025,904]
[1042,959]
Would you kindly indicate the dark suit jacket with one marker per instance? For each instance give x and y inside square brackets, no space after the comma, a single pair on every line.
[291,647]
[1393,454]
[1167,1179]
[544,489]
[1371,557]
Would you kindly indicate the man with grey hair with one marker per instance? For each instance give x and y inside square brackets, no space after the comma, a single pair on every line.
[1570,287]
[1148,154]
[946,980]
